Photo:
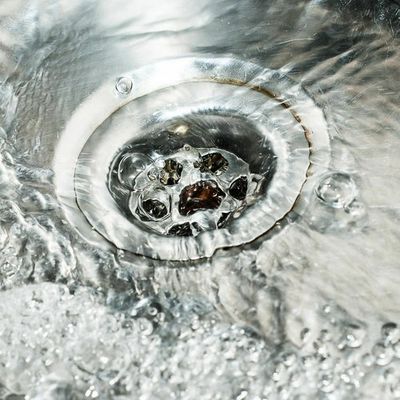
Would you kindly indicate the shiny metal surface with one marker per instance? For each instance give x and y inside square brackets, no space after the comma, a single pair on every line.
[308,310]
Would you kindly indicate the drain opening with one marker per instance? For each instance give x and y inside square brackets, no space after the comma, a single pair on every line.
[188,190]
[174,166]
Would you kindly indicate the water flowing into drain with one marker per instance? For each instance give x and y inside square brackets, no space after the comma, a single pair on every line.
[308,310]
[160,172]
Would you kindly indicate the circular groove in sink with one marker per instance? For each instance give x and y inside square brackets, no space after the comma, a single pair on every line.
[133,166]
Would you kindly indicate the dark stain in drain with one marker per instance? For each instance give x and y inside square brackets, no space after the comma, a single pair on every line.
[202,195]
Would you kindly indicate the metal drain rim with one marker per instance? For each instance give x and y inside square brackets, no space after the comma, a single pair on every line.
[90,115]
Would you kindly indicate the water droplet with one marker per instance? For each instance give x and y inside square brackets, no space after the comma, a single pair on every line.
[124,85]
[326,309]
[337,190]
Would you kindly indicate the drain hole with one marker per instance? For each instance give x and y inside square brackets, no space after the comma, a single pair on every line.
[238,188]
[153,205]
[145,173]
[181,230]
[202,187]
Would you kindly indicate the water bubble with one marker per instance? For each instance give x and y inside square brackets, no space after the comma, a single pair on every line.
[124,85]
[354,336]
[383,355]
[145,326]
[337,190]
[152,174]
[368,359]
[327,384]
[130,166]
[395,390]
[390,333]
[396,349]
[243,395]
[92,393]
[289,359]
[279,373]
[389,375]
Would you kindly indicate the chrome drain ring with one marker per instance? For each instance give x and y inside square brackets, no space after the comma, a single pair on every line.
[278,109]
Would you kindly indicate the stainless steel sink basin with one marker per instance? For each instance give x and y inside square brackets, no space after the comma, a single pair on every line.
[199,199]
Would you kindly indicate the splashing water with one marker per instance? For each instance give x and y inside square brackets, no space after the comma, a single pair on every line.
[288,289]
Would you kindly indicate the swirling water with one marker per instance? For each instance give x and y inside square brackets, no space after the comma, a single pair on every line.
[312,312]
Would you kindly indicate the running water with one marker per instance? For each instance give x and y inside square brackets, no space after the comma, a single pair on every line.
[297,297]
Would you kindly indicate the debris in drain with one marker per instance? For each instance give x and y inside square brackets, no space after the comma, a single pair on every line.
[214,162]
[181,230]
[202,195]
[238,188]
[186,193]
[171,173]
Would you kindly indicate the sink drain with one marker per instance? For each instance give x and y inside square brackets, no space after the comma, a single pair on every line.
[176,160]
[184,193]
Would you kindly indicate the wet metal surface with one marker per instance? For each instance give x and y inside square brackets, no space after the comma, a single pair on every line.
[295,297]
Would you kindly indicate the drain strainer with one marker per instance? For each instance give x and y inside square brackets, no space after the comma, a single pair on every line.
[176,160]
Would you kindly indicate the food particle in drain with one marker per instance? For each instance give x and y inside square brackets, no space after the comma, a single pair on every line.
[171,173]
[214,162]
[202,195]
